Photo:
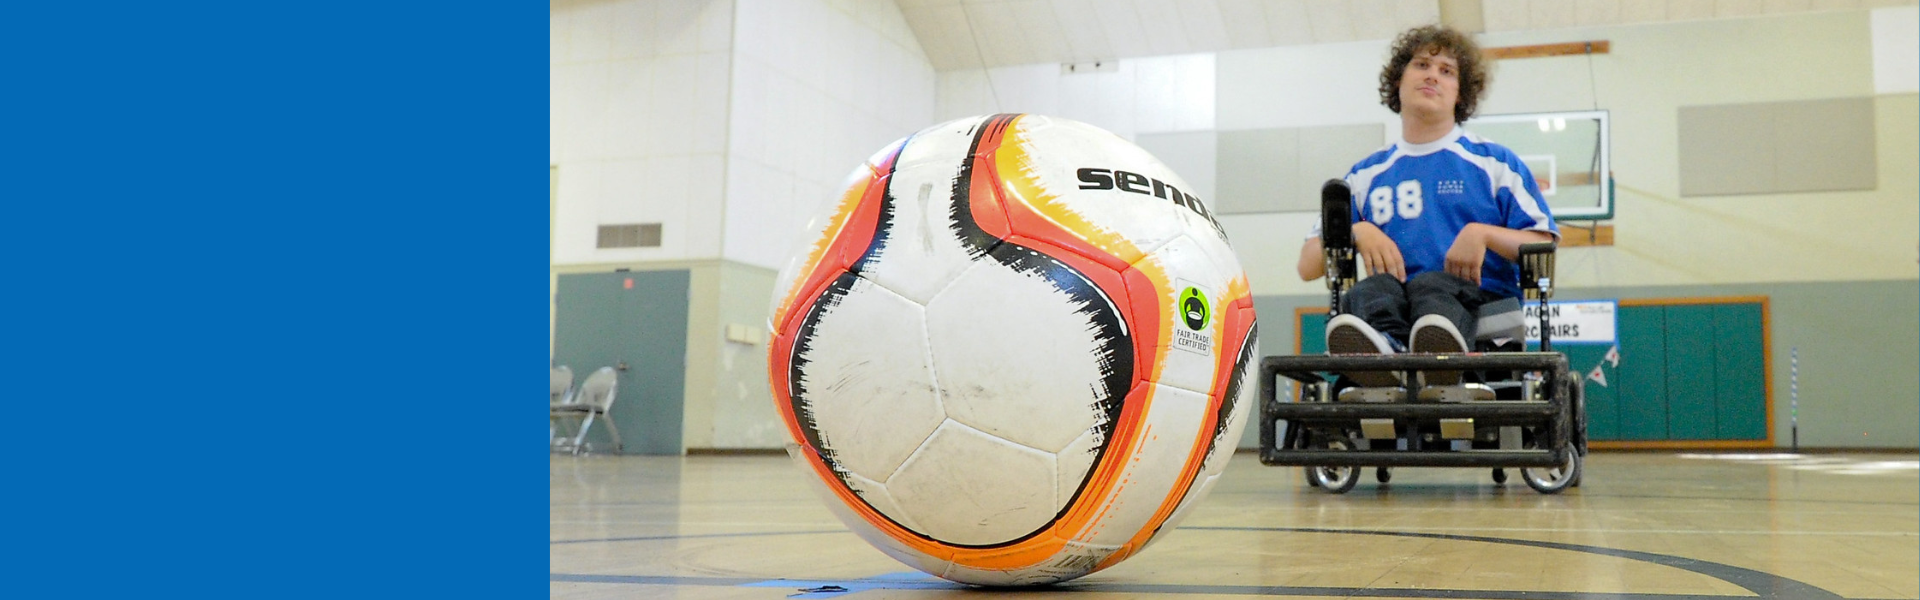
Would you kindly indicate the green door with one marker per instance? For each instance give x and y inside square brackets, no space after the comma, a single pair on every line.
[635,322]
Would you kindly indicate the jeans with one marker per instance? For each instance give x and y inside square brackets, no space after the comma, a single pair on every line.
[1391,307]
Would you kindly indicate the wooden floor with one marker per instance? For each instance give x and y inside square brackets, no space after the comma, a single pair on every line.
[1641,526]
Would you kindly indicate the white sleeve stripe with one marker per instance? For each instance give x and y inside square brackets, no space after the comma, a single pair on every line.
[1361,181]
[1499,175]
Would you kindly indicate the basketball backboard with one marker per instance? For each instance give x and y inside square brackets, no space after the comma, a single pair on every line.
[1568,153]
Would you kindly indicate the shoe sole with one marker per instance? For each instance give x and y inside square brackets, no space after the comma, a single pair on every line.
[1432,337]
[1347,340]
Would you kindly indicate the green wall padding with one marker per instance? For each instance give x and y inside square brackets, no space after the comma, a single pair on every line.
[1690,396]
[1740,372]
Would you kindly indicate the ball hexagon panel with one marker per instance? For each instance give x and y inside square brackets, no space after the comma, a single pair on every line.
[875,494]
[1074,462]
[918,253]
[1016,356]
[869,409]
[1155,468]
[968,487]
[915,557]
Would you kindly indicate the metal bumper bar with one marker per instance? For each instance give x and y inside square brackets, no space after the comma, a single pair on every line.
[1462,458]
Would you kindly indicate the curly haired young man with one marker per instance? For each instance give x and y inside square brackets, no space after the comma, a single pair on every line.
[1438,217]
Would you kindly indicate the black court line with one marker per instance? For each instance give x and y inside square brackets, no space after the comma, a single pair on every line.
[1765,586]
[1448,489]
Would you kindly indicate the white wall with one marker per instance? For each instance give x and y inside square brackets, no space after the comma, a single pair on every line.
[638,124]
[1653,69]
[1127,96]
[1296,86]
[818,87]
[1896,50]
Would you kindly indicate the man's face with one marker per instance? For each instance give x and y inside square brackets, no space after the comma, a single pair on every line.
[1430,85]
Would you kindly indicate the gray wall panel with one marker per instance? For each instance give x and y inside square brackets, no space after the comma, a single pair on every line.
[1190,154]
[1256,167]
[1281,169]
[1824,145]
[1777,147]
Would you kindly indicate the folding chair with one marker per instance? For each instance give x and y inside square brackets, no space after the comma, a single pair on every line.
[562,394]
[591,403]
[562,386]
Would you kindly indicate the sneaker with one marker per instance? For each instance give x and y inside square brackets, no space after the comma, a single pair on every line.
[1347,334]
[1436,335]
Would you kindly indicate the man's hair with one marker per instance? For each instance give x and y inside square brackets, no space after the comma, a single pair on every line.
[1431,40]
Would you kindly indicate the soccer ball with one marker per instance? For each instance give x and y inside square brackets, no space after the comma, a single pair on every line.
[1014,352]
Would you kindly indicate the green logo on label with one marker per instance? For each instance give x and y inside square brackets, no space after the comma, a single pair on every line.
[1193,309]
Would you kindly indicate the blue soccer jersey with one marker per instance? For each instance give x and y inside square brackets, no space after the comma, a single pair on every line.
[1422,195]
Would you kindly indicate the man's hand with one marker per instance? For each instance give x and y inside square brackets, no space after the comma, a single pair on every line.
[1379,251]
[1468,253]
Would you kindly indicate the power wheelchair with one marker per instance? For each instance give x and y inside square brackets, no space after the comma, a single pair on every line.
[1515,409]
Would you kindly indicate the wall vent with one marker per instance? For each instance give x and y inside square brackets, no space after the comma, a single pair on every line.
[631,235]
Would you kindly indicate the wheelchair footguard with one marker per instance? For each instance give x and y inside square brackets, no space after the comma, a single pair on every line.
[1535,422]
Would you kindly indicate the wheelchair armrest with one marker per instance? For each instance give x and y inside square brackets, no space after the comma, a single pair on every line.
[1501,318]
[1336,233]
[1536,269]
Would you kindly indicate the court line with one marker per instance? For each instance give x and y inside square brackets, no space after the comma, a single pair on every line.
[811,588]
[1591,495]
[1426,529]
[1652,531]
[1764,585]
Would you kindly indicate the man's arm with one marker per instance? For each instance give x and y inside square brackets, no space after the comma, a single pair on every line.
[1470,248]
[1313,260]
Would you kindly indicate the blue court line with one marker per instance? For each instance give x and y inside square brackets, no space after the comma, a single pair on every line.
[890,581]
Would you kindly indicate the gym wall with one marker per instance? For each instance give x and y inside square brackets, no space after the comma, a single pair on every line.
[729,123]
[1841,266]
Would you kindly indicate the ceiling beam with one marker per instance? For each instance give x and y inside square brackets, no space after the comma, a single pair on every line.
[1541,50]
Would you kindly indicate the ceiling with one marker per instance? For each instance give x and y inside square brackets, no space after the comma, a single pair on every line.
[971,34]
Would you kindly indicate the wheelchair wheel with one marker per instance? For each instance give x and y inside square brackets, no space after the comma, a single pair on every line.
[1500,476]
[1338,480]
[1554,480]
[1382,475]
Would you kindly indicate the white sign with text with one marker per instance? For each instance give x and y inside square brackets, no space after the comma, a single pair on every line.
[1575,322]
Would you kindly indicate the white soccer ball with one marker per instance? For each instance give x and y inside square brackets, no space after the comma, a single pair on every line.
[1014,351]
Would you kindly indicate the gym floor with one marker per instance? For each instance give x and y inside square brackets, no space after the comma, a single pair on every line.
[1646,526]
